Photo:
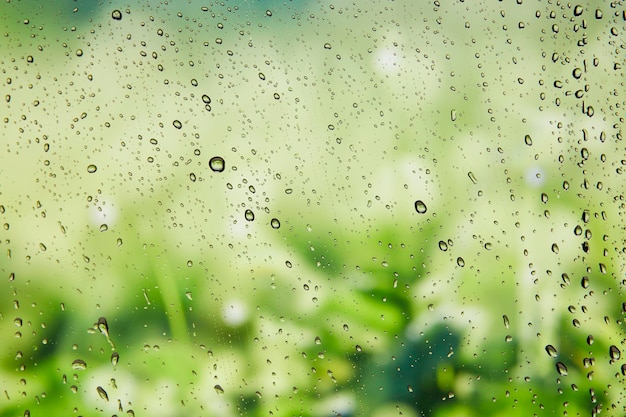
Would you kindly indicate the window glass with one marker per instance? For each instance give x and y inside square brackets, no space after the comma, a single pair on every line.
[312,208]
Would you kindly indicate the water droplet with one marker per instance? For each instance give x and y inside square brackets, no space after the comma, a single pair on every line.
[508,338]
[92,168]
[453,115]
[460,262]
[561,368]
[115,358]
[218,388]
[79,364]
[584,282]
[116,15]
[443,245]
[177,124]
[327,46]
[590,340]
[119,241]
[614,352]
[79,52]
[555,248]
[206,99]
[275,223]
[472,177]
[103,326]
[505,318]
[578,10]
[318,341]
[217,164]
[249,215]
[420,207]
[42,247]
[268,12]
[528,140]
[409,388]
[544,198]
[104,227]
[102,393]
[551,350]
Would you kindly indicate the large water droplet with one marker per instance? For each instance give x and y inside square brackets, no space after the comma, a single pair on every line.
[275,223]
[92,168]
[116,15]
[561,368]
[420,207]
[102,393]
[614,352]
[217,164]
[249,214]
[79,364]
[218,388]
[551,350]
[115,358]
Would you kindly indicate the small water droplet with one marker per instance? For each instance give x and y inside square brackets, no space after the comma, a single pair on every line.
[177,124]
[217,164]
[555,248]
[453,115]
[472,177]
[116,15]
[104,227]
[275,223]
[318,341]
[551,350]
[92,168]
[218,388]
[505,319]
[102,393]
[460,262]
[443,246]
[327,46]
[249,215]
[79,52]
[544,198]
[206,99]
[420,207]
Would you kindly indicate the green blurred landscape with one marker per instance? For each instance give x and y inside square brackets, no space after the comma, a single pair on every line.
[420,213]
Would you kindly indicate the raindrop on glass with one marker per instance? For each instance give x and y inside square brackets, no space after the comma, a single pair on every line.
[420,207]
[551,350]
[217,164]
[102,393]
